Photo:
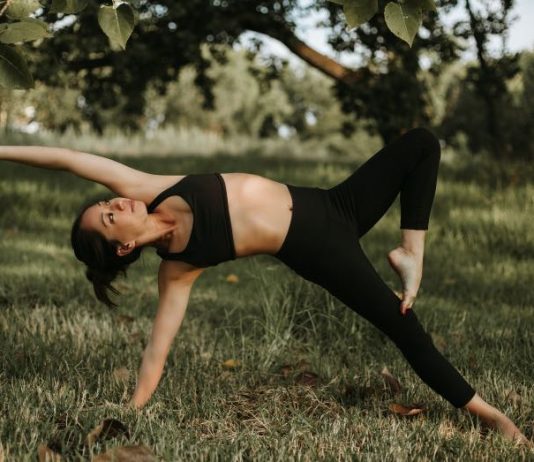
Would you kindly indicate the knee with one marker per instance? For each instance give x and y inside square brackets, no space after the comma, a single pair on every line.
[426,141]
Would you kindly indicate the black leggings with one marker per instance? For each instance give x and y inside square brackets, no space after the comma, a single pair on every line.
[322,245]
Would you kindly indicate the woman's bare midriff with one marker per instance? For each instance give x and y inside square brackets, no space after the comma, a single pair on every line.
[260,211]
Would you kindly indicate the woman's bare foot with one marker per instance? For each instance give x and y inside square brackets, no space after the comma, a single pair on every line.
[495,419]
[409,266]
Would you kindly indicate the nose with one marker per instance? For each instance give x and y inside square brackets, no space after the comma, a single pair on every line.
[121,205]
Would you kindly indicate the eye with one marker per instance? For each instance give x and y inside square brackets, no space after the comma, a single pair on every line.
[111,218]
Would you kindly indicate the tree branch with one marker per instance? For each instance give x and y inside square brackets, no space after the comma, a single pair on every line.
[280,31]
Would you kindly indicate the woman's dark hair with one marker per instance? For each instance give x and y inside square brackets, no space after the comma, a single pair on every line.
[100,256]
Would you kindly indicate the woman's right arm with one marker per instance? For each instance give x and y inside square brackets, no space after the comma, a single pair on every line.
[174,296]
[123,180]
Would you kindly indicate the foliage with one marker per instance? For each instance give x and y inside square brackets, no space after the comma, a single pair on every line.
[466,113]
[388,92]
[116,21]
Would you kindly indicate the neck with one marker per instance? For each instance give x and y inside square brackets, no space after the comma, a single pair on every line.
[159,230]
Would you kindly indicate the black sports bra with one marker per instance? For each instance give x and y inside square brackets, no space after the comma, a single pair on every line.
[211,241]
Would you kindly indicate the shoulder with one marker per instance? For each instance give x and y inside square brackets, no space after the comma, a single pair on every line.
[177,273]
[153,185]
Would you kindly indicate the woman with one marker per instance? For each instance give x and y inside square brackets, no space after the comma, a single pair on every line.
[196,221]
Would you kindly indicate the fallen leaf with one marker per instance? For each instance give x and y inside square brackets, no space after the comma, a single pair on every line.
[121,374]
[124,319]
[135,336]
[393,384]
[231,363]
[286,370]
[137,453]
[109,428]
[46,454]
[513,397]
[307,378]
[405,410]
[232,278]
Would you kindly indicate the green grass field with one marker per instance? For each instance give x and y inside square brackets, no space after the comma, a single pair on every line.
[308,384]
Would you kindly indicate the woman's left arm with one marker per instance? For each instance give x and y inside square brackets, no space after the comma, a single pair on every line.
[119,178]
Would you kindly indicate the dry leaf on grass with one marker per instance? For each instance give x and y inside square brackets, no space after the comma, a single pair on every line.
[399,409]
[393,384]
[231,363]
[124,319]
[46,454]
[137,453]
[232,278]
[513,397]
[307,378]
[286,370]
[136,336]
[121,374]
[109,428]
[289,369]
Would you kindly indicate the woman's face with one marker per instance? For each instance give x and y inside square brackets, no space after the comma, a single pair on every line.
[118,219]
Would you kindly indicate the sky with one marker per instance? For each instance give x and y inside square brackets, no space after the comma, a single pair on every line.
[521,34]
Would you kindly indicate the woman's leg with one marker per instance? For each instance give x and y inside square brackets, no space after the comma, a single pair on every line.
[344,270]
[408,166]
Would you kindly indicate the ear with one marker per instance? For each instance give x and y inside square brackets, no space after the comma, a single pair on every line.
[125,249]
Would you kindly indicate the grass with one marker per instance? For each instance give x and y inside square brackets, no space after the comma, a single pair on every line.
[59,348]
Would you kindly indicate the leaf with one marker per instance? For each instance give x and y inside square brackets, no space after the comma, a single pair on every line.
[27,30]
[359,11]
[46,454]
[286,370]
[339,2]
[307,378]
[14,71]
[404,20]
[231,364]
[68,6]
[232,278]
[137,453]
[117,23]
[513,397]
[121,374]
[399,409]
[109,428]
[20,9]
[124,319]
[393,384]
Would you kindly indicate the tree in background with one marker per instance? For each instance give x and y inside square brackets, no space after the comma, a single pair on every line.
[479,107]
[169,35]
[388,91]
